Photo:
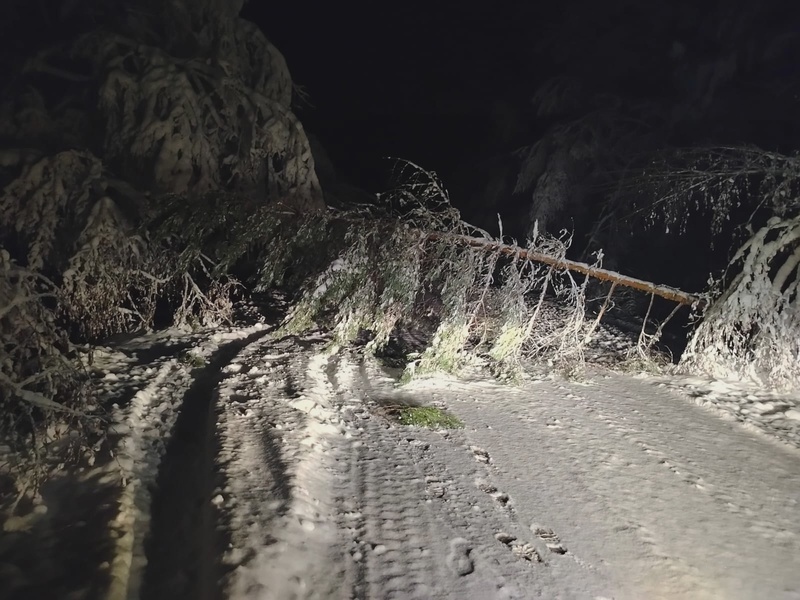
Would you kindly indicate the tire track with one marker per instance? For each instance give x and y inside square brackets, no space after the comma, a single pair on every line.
[394,548]
[478,549]
[178,548]
[278,442]
[350,487]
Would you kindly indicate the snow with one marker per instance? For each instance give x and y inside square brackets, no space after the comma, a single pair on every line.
[142,424]
[661,498]
[618,486]
[757,408]
[612,489]
[300,525]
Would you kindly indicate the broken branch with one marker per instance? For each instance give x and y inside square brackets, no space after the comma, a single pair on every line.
[663,291]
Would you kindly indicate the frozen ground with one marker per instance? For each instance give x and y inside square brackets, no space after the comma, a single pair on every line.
[263,468]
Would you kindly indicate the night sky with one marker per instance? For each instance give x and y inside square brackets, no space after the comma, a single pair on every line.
[447,84]
[414,80]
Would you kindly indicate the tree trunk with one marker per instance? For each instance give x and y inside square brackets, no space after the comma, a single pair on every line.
[489,245]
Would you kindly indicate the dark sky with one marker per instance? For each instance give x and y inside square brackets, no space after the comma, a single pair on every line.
[413,79]
[428,81]
[400,56]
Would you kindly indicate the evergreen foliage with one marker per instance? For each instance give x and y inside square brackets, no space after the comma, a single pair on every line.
[383,268]
[38,377]
[175,175]
[647,147]
[140,145]
[751,323]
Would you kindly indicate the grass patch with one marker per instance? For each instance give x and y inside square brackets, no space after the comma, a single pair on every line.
[425,416]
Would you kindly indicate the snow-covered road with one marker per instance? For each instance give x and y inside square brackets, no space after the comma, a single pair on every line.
[610,488]
[659,497]
[262,468]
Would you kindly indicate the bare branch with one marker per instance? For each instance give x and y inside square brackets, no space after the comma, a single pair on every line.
[669,293]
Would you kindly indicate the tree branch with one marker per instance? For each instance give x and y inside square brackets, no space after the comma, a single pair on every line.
[663,291]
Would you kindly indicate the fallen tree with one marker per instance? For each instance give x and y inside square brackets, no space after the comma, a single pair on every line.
[490,245]
[386,264]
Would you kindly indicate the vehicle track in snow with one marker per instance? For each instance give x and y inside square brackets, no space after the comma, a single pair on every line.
[320,496]
[285,478]
[279,450]
[179,547]
[390,550]
[478,546]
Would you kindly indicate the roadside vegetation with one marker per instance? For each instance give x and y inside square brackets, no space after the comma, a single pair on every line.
[143,189]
